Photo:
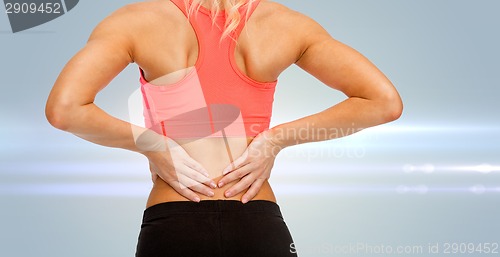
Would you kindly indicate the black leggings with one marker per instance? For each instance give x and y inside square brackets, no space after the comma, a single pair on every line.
[214,228]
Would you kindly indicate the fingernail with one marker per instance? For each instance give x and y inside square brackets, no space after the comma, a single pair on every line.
[211,193]
[206,174]
[213,185]
[244,200]
[221,184]
[228,194]
[225,171]
[197,199]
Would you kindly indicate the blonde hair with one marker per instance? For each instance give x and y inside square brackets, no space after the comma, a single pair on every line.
[231,9]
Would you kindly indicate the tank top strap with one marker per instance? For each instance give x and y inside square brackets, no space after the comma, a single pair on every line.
[181,4]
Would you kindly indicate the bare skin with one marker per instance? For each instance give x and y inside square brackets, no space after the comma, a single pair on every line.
[156,36]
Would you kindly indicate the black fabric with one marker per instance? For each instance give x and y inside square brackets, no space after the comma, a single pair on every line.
[214,228]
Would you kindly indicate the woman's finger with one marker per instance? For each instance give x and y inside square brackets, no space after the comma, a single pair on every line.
[184,191]
[253,190]
[186,181]
[191,163]
[239,162]
[243,184]
[199,178]
[235,174]
[203,189]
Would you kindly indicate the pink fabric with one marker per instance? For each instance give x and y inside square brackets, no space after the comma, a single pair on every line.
[215,98]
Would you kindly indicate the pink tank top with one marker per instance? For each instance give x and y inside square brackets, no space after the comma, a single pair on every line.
[215,98]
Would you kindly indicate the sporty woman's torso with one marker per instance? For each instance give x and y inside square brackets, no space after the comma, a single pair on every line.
[166,43]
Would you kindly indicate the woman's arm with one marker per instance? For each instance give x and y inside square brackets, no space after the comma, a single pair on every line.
[372,100]
[70,105]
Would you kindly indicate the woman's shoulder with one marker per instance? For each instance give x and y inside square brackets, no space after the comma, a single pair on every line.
[147,11]
[135,19]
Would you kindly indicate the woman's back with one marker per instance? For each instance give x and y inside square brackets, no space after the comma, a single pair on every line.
[165,45]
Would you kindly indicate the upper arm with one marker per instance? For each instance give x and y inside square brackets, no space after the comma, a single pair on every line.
[107,52]
[340,66]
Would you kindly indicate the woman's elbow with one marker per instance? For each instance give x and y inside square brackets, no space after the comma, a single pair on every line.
[392,107]
[57,114]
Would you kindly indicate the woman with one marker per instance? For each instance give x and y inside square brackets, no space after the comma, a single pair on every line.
[211,195]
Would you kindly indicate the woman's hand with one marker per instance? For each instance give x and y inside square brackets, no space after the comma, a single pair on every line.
[253,167]
[180,171]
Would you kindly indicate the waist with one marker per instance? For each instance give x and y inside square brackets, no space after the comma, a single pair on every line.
[214,154]
[162,192]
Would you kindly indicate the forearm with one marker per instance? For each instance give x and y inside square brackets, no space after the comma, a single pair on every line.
[346,118]
[91,123]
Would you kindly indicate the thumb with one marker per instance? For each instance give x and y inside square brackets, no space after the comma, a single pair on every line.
[240,161]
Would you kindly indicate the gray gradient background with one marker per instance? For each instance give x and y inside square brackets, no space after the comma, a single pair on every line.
[413,182]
